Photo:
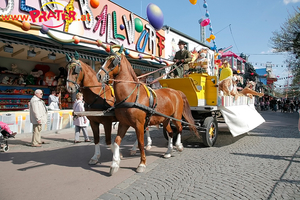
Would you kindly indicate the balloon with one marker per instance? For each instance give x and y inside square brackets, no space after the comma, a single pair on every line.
[205,22]
[155,16]
[193,2]
[138,25]
[207,14]
[94,3]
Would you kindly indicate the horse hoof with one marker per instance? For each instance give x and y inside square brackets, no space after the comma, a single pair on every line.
[168,155]
[141,168]
[113,170]
[148,147]
[93,162]
[132,152]
[180,148]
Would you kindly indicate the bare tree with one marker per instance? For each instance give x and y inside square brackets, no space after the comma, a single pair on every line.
[287,39]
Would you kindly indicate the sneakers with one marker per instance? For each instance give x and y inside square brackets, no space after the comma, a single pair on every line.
[87,140]
[76,141]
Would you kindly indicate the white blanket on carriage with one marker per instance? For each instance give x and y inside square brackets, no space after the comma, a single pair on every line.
[241,119]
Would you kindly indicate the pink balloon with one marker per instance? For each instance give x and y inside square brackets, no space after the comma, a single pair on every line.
[205,22]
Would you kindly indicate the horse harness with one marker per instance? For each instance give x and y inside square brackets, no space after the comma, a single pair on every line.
[150,110]
[92,105]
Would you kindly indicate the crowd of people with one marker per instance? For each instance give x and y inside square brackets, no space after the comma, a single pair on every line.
[282,105]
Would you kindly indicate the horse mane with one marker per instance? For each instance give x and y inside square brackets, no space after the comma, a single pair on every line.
[129,67]
[83,64]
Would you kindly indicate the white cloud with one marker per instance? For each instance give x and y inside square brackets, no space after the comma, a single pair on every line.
[290,1]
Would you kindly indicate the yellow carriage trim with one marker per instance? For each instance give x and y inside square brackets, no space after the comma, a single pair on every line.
[199,88]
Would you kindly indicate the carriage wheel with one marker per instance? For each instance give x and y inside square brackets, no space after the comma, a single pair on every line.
[209,137]
[5,148]
[175,133]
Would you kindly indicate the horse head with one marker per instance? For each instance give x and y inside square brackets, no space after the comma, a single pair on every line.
[74,69]
[111,68]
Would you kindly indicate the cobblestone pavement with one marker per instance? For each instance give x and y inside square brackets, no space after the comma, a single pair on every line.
[265,164]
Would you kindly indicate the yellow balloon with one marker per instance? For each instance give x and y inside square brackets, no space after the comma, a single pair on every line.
[193,2]
[212,37]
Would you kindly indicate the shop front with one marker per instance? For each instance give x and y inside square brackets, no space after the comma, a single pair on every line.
[35,37]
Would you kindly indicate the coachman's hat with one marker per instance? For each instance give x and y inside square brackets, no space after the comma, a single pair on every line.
[181,42]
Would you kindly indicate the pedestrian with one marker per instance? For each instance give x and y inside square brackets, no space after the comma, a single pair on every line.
[5,130]
[80,122]
[38,116]
[181,59]
[53,100]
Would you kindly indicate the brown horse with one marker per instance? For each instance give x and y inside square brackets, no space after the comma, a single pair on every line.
[170,102]
[97,97]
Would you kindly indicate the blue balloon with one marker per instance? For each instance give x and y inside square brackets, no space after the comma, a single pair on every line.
[155,16]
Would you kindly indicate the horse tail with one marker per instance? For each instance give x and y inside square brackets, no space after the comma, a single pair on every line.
[187,114]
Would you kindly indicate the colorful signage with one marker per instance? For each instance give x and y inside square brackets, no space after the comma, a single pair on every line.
[107,22]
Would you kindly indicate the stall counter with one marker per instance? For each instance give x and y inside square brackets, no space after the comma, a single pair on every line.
[19,121]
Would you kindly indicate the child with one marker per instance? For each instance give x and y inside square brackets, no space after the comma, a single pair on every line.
[5,130]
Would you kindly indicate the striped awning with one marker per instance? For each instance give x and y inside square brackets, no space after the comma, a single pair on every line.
[52,48]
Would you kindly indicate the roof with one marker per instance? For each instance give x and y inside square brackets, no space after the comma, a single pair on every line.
[230,53]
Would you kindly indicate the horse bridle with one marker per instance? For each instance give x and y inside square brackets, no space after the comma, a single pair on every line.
[116,62]
[77,70]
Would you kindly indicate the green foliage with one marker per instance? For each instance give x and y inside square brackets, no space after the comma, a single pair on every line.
[250,73]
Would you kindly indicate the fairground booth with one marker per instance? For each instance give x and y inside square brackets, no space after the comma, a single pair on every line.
[36,35]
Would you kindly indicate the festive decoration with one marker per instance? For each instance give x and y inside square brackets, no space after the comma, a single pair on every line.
[75,39]
[94,3]
[9,7]
[102,17]
[138,25]
[193,2]
[155,16]
[86,10]
[25,26]
[211,37]
[205,22]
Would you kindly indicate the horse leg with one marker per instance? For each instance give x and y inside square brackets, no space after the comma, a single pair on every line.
[169,130]
[149,141]
[140,136]
[134,147]
[178,143]
[122,129]
[96,133]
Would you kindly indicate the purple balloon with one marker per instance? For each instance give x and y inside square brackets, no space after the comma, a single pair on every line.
[155,16]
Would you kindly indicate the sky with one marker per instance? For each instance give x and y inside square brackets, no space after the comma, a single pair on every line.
[247,25]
